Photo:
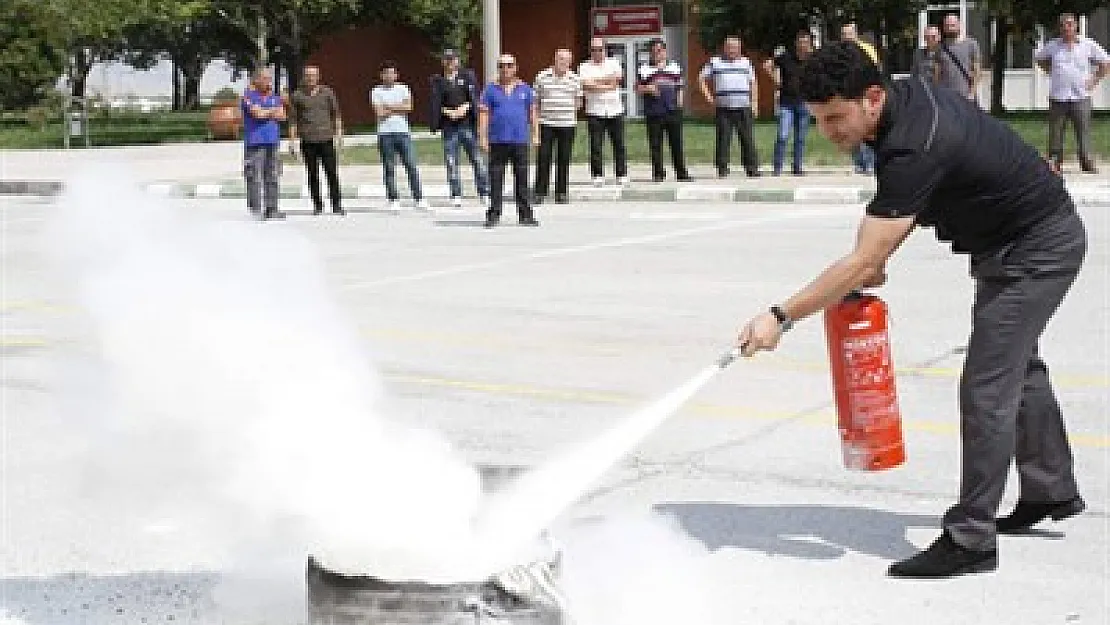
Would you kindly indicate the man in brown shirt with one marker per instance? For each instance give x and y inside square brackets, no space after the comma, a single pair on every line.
[315,119]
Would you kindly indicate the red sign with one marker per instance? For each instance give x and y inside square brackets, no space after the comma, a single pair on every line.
[627,21]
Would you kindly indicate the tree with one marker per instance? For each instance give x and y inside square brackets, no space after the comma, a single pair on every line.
[767,24]
[446,23]
[32,57]
[94,33]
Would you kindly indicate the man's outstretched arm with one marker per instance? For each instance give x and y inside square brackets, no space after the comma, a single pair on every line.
[864,266]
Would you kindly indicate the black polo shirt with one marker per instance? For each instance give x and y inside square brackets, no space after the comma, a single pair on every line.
[790,73]
[960,171]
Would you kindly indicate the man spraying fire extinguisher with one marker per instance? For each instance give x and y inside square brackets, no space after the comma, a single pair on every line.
[945,164]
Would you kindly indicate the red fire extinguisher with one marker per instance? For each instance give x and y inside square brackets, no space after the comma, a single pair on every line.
[864,384]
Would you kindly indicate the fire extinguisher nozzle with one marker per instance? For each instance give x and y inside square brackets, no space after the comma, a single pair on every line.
[729,357]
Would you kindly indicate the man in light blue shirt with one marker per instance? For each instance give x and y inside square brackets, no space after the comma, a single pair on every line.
[1075,66]
[392,103]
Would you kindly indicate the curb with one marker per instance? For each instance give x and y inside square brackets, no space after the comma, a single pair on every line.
[1084,194]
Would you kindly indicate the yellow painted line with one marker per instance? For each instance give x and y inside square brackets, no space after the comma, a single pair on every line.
[19,341]
[32,305]
[821,418]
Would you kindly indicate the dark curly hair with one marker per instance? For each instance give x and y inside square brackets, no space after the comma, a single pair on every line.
[838,69]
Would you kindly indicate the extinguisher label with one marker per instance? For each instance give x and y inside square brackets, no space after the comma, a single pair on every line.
[868,380]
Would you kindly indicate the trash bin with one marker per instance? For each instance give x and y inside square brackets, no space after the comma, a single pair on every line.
[77,121]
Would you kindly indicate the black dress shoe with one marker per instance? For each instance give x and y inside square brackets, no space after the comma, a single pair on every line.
[529,221]
[945,558]
[684,178]
[338,210]
[1026,514]
[562,198]
[491,222]
[318,210]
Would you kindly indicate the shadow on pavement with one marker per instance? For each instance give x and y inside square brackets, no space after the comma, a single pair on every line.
[803,531]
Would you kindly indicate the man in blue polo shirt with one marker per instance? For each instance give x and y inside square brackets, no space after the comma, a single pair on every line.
[263,112]
[507,119]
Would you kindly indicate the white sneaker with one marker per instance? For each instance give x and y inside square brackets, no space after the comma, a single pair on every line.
[456,202]
[395,205]
[623,181]
[422,205]
[599,182]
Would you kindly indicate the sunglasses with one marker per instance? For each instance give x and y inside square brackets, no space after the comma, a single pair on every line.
[506,64]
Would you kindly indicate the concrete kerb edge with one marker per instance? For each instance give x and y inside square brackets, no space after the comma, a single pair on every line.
[1097,194]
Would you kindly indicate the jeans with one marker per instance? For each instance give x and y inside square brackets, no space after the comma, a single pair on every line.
[792,117]
[863,157]
[260,171]
[463,135]
[500,155]
[671,125]
[560,140]
[316,153]
[598,127]
[390,145]
[740,120]
[1079,112]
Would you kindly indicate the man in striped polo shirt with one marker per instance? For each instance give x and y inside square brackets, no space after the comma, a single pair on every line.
[728,82]
[558,98]
[663,87]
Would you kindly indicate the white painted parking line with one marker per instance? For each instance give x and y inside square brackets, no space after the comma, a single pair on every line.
[513,261]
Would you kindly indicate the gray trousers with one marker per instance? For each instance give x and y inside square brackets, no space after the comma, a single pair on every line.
[1007,405]
[261,170]
[1079,113]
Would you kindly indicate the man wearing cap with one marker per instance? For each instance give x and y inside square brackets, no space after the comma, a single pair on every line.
[507,122]
[454,105]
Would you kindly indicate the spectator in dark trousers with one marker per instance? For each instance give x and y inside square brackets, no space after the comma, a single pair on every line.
[558,98]
[728,82]
[455,112]
[786,70]
[663,88]
[507,120]
[925,58]
[317,122]
[1075,66]
[601,78]
[263,112]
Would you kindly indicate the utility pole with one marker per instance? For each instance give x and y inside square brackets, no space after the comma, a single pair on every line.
[491,36]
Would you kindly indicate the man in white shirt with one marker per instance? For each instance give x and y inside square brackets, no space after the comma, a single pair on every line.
[601,81]
[392,103]
[1075,66]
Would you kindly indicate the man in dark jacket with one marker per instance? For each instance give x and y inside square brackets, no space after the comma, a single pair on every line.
[454,111]
[943,163]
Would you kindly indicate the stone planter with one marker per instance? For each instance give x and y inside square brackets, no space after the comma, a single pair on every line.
[225,120]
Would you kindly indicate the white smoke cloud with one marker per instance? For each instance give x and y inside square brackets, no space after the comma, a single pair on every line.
[642,570]
[241,401]
[231,404]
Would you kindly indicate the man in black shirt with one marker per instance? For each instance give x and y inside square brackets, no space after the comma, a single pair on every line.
[454,105]
[945,164]
[786,70]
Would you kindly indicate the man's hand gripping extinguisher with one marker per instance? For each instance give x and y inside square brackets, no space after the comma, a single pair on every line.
[864,383]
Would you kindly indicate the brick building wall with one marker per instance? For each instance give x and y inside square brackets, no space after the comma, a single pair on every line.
[531,29]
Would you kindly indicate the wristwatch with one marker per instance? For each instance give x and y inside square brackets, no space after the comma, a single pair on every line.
[785,322]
